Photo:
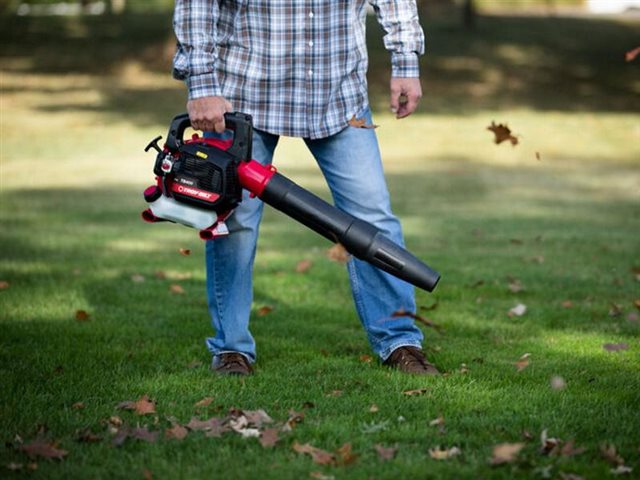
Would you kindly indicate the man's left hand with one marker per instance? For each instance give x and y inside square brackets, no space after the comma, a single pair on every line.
[405,95]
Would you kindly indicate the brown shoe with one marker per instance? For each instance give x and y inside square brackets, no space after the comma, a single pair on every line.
[233,363]
[411,360]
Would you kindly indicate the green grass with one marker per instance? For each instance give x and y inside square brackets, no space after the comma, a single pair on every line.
[566,226]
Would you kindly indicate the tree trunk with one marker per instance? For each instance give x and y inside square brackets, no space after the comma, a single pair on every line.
[469,15]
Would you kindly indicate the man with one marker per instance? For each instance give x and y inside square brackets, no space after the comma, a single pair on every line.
[299,68]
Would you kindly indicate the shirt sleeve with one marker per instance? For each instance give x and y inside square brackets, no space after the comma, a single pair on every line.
[194,23]
[403,37]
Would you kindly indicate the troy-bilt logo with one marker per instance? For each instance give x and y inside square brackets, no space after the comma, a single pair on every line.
[195,193]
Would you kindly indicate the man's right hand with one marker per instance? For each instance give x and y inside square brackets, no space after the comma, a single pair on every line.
[207,113]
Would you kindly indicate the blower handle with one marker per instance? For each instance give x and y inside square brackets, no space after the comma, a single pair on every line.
[240,123]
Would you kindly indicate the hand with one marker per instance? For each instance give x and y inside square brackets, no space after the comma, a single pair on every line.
[207,113]
[405,95]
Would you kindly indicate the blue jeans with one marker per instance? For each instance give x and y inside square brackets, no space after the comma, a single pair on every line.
[351,164]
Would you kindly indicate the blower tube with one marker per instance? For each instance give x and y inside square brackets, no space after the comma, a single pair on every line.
[358,237]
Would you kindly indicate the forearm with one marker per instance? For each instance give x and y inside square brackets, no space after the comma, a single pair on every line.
[194,24]
[404,37]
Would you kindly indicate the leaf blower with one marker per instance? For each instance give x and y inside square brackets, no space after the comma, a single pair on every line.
[199,182]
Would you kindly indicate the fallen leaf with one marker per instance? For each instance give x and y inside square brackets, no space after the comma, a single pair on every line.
[360,123]
[205,402]
[338,253]
[631,55]
[558,383]
[137,278]
[264,310]
[257,417]
[365,358]
[87,436]
[374,408]
[438,454]
[294,419]
[304,266]
[621,470]
[185,251]
[610,454]
[334,393]
[319,456]
[417,391]
[345,454]
[78,406]
[385,453]
[636,302]
[506,453]
[177,289]
[82,315]
[321,476]
[199,425]
[269,437]
[517,311]
[419,318]
[633,317]
[570,476]
[160,275]
[515,286]
[4,285]
[147,474]
[502,133]
[43,449]
[615,347]
[142,406]
[177,431]
[548,445]
[615,310]
[569,450]
[523,362]
[567,304]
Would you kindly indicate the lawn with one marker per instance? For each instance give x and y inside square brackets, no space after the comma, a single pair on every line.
[100,310]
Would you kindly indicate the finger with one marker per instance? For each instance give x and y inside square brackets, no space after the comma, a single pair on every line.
[219,126]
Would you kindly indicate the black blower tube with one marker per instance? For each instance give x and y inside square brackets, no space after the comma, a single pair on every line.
[358,237]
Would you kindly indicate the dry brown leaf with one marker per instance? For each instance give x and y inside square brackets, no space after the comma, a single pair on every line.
[304,266]
[78,406]
[321,476]
[264,310]
[177,289]
[177,431]
[506,453]
[360,123]
[610,454]
[144,406]
[515,285]
[502,133]
[319,456]
[523,362]
[447,453]
[4,285]
[631,55]
[346,455]
[338,253]
[569,449]
[567,304]
[385,453]
[185,251]
[205,402]
[43,449]
[636,303]
[204,425]
[548,445]
[417,391]
[269,437]
[87,436]
[82,315]
[365,358]
[615,347]
[335,393]
[374,408]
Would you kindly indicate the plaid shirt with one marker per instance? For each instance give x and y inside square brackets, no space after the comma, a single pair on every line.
[298,67]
